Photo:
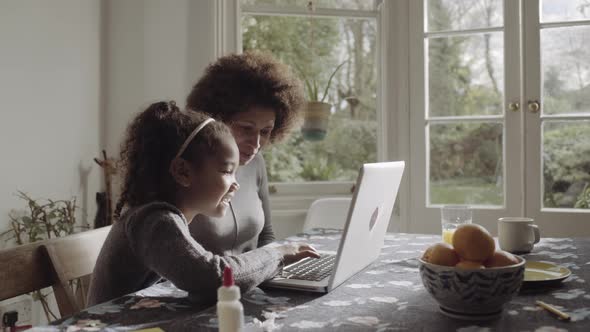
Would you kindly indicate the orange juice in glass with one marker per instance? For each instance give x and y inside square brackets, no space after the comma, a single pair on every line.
[447,236]
[451,217]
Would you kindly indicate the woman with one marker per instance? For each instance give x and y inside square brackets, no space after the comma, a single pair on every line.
[259,99]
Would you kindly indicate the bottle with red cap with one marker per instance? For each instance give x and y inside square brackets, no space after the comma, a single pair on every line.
[230,312]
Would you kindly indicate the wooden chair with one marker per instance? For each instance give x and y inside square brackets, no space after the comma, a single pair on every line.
[24,269]
[73,257]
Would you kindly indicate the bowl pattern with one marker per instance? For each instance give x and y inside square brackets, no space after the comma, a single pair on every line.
[472,291]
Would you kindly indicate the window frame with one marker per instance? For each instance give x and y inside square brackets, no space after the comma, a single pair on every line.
[324,188]
[425,216]
[397,108]
[571,220]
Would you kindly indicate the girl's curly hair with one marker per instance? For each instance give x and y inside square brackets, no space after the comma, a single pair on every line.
[237,82]
[153,139]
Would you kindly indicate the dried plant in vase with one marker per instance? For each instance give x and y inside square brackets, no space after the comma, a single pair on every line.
[104,200]
[41,220]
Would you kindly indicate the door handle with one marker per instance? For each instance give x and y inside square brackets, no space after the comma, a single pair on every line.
[514,106]
[534,106]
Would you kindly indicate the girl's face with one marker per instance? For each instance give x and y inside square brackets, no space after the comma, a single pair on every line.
[252,130]
[214,181]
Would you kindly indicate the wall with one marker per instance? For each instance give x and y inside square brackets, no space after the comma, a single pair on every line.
[72,78]
[50,69]
[50,97]
[155,50]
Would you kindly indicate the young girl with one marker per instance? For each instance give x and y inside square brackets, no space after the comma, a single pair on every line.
[177,165]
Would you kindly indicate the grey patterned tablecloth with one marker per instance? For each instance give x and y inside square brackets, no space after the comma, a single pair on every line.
[387,296]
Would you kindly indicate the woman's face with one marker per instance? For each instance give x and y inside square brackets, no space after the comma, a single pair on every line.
[252,130]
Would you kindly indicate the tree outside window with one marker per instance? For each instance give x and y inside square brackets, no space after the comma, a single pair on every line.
[315,47]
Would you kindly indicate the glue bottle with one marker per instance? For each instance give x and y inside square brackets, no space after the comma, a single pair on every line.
[230,312]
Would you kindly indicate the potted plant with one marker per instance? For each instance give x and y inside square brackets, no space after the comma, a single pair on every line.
[42,220]
[317,111]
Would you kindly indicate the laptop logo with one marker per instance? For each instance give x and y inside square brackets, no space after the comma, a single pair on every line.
[374,218]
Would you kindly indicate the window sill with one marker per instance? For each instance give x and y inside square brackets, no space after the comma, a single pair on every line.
[320,188]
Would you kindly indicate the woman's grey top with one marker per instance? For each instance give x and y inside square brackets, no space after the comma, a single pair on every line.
[251,228]
[153,241]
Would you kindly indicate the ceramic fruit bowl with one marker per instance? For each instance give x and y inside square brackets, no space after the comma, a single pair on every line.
[477,294]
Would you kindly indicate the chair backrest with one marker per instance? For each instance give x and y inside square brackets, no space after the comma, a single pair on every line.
[329,212]
[24,269]
[74,257]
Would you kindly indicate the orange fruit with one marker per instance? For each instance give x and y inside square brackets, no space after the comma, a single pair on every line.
[469,265]
[441,254]
[473,243]
[501,258]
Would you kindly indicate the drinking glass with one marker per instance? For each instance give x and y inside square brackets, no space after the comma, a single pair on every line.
[451,216]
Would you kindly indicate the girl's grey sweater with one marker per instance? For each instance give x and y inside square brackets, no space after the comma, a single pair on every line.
[153,241]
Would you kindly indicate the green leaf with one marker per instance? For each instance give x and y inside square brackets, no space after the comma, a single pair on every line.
[330,79]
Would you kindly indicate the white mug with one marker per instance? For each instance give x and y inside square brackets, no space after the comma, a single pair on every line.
[517,235]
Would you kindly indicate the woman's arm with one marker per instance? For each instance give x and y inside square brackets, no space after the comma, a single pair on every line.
[161,239]
[267,235]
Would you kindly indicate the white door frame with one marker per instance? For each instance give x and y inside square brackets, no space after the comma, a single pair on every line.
[426,219]
[556,222]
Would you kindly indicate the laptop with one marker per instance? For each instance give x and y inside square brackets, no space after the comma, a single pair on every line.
[364,232]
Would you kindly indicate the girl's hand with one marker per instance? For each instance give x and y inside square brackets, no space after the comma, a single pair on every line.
[294,252]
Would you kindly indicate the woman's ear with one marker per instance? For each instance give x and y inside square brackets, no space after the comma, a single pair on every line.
[180,171]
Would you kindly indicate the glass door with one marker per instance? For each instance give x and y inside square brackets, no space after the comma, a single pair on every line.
[557,114]
[465,110]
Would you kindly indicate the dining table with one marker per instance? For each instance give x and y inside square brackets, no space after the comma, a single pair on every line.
[388,295]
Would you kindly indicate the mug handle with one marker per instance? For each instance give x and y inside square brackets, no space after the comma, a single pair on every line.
[537,233]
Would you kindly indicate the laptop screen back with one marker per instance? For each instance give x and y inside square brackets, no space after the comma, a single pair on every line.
[368,218]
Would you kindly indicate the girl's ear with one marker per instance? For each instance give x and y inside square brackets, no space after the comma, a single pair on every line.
[180,170]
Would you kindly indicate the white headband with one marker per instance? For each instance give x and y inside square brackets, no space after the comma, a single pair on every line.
[192,136]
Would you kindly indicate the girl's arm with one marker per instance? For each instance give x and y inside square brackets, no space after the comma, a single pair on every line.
[161,239]
[267,235]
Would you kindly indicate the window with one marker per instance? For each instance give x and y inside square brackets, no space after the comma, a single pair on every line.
[500,115]
[335,38]
[464,117]
[557,104]
[487,101]
[565,95]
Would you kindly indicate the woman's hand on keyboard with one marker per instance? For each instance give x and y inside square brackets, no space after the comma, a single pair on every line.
[294,252]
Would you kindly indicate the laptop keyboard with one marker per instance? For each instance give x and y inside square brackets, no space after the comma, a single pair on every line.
[311,269]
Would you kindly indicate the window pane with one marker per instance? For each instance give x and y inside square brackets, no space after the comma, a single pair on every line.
[335,4]
[466,164]
[466,75]
[447,15]
[564,10]
[565,57]
[351,138]
[566,164]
